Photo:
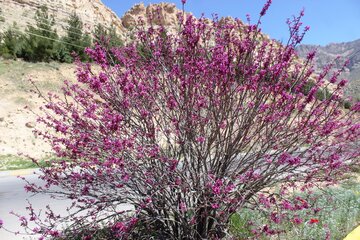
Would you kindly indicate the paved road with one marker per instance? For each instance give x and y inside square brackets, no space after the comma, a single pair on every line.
[13,198]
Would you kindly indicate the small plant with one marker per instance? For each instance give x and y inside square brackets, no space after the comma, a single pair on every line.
[347,105]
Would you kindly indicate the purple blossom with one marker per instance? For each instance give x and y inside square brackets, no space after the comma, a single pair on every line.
[215,205]
[200,139]
[342,83]
[356,107]
[183,207]
[297,220]
[265,8]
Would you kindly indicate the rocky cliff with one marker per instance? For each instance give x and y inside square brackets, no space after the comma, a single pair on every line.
[166,15]
[91,13]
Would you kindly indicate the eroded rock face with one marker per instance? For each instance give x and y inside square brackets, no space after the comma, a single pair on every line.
[91,13]
[158,14]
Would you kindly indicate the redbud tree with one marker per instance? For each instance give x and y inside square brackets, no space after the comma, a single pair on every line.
[188,127]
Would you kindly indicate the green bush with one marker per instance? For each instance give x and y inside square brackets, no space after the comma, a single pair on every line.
[11,43]
[41,42]
[107,37]
[321,94]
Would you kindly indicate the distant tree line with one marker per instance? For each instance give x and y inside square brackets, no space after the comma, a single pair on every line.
[41,42]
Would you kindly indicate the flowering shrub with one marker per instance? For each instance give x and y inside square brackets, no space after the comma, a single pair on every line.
[189,127]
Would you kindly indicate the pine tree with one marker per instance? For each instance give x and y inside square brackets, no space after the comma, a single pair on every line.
[114,38]
[41,44]
[100,34]
[75,40]
[107,37]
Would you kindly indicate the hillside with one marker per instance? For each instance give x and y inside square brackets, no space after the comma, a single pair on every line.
[345,50]
[16,122]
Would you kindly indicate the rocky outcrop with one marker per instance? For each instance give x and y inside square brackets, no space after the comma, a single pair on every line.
[158,14]
[91,13]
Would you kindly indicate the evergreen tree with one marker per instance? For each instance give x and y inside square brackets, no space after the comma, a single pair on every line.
[107,37]
[11,42]
[41,44]
[114,38]
[75,40]
[100,34]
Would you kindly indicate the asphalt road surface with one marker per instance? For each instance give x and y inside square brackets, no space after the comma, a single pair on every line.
[13,198]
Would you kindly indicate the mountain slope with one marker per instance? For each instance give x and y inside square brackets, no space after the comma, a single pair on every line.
[345,50]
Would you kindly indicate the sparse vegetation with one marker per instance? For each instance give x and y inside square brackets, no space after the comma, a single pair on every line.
[15,162]
[19,73]
[339,213]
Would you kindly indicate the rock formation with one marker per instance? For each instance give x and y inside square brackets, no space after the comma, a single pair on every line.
[167,15]
[91,13]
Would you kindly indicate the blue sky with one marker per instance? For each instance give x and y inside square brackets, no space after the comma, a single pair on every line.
[329,20]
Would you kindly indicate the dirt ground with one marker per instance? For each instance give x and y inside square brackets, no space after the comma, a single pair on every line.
[16,122]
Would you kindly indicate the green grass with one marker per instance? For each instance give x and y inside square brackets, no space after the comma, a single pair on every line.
[340,214]
[15,162]
[17,72]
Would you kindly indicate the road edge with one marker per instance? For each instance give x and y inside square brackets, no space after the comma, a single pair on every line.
[20,172]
